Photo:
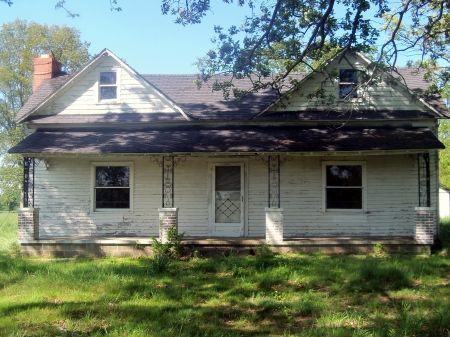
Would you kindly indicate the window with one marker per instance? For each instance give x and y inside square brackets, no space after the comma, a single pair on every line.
[348,81]
[108,85]
[112,186]
[344,185]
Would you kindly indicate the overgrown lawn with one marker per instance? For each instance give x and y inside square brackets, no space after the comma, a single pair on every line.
[280,295]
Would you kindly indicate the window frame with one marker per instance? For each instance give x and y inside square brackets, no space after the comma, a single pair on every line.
[94,165]
[117,85]
[363,165]
[354,84]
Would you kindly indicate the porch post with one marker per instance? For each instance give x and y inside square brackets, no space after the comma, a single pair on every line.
[274,225]
[29,165]
[28,224]
[425,216]
[423,173]
[274,214]
[168,214]
[168,218]
[424,225]
[28,216]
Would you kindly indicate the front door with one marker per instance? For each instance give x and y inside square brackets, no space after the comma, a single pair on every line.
[227,211]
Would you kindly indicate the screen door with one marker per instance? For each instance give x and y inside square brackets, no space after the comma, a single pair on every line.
[228,199]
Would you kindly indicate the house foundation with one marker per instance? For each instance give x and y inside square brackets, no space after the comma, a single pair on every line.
[72,247]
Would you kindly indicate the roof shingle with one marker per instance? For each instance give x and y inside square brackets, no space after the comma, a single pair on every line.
[248,140]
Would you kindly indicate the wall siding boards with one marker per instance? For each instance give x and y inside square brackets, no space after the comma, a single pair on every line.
[66,201]
[63,194]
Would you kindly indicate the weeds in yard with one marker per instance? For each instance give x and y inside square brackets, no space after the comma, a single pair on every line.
[379,250]
[166,252]
[173,248]
[275,295]
[264,251]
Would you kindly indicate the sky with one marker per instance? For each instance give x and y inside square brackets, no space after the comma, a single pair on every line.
[148,41]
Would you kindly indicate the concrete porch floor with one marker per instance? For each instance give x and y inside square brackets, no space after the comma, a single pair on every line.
[125,246]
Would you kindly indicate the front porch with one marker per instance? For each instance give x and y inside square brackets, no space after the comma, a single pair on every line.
[126,246]
[257,206]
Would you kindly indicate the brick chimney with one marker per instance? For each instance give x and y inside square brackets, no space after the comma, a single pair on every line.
[44,67]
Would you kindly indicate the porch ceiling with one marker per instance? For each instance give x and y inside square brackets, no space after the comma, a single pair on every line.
[251,140]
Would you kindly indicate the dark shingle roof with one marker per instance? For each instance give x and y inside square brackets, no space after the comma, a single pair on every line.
[344,116]
[44,91]
[204,104]
[254,139]
[419,85]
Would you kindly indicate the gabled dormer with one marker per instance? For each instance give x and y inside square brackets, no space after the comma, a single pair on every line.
[349,84]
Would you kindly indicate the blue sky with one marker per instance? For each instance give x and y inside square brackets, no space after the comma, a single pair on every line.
[149,42]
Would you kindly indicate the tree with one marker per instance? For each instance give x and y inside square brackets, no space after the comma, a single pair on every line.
[20,43]
[299,33]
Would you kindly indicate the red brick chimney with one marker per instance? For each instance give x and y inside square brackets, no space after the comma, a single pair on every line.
[44,67]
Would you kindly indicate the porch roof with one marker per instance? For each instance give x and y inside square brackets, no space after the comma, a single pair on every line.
[243,140]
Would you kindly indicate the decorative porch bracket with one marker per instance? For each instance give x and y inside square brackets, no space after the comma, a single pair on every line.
[29,165]
[274,163]
[423,171]
[167,163]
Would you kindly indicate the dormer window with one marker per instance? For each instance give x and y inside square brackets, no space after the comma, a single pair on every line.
[108,85]
[348,81]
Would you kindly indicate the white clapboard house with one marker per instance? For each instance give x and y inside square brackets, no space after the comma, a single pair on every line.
[112,157]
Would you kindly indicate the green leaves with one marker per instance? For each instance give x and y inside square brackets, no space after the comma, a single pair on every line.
[290,35]
[20,43]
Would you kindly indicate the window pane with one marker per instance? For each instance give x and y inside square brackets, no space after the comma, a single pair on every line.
[110,176]
[108,77]
[112,198]
[348,75]
[344,198]
[108,92]
[347,91]
[228,178]
[344,175]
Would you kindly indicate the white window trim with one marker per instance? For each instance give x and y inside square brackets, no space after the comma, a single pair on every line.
[363,165]
[97,86]
[112,210]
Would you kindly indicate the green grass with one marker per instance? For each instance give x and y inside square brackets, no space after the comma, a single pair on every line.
[274,295]
[8,231]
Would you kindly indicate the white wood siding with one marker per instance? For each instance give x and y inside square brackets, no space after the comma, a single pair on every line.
[63,195]
[134,94]
[191,196]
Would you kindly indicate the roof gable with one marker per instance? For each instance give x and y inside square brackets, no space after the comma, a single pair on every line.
[166,98]
[78,94]
[319,91]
